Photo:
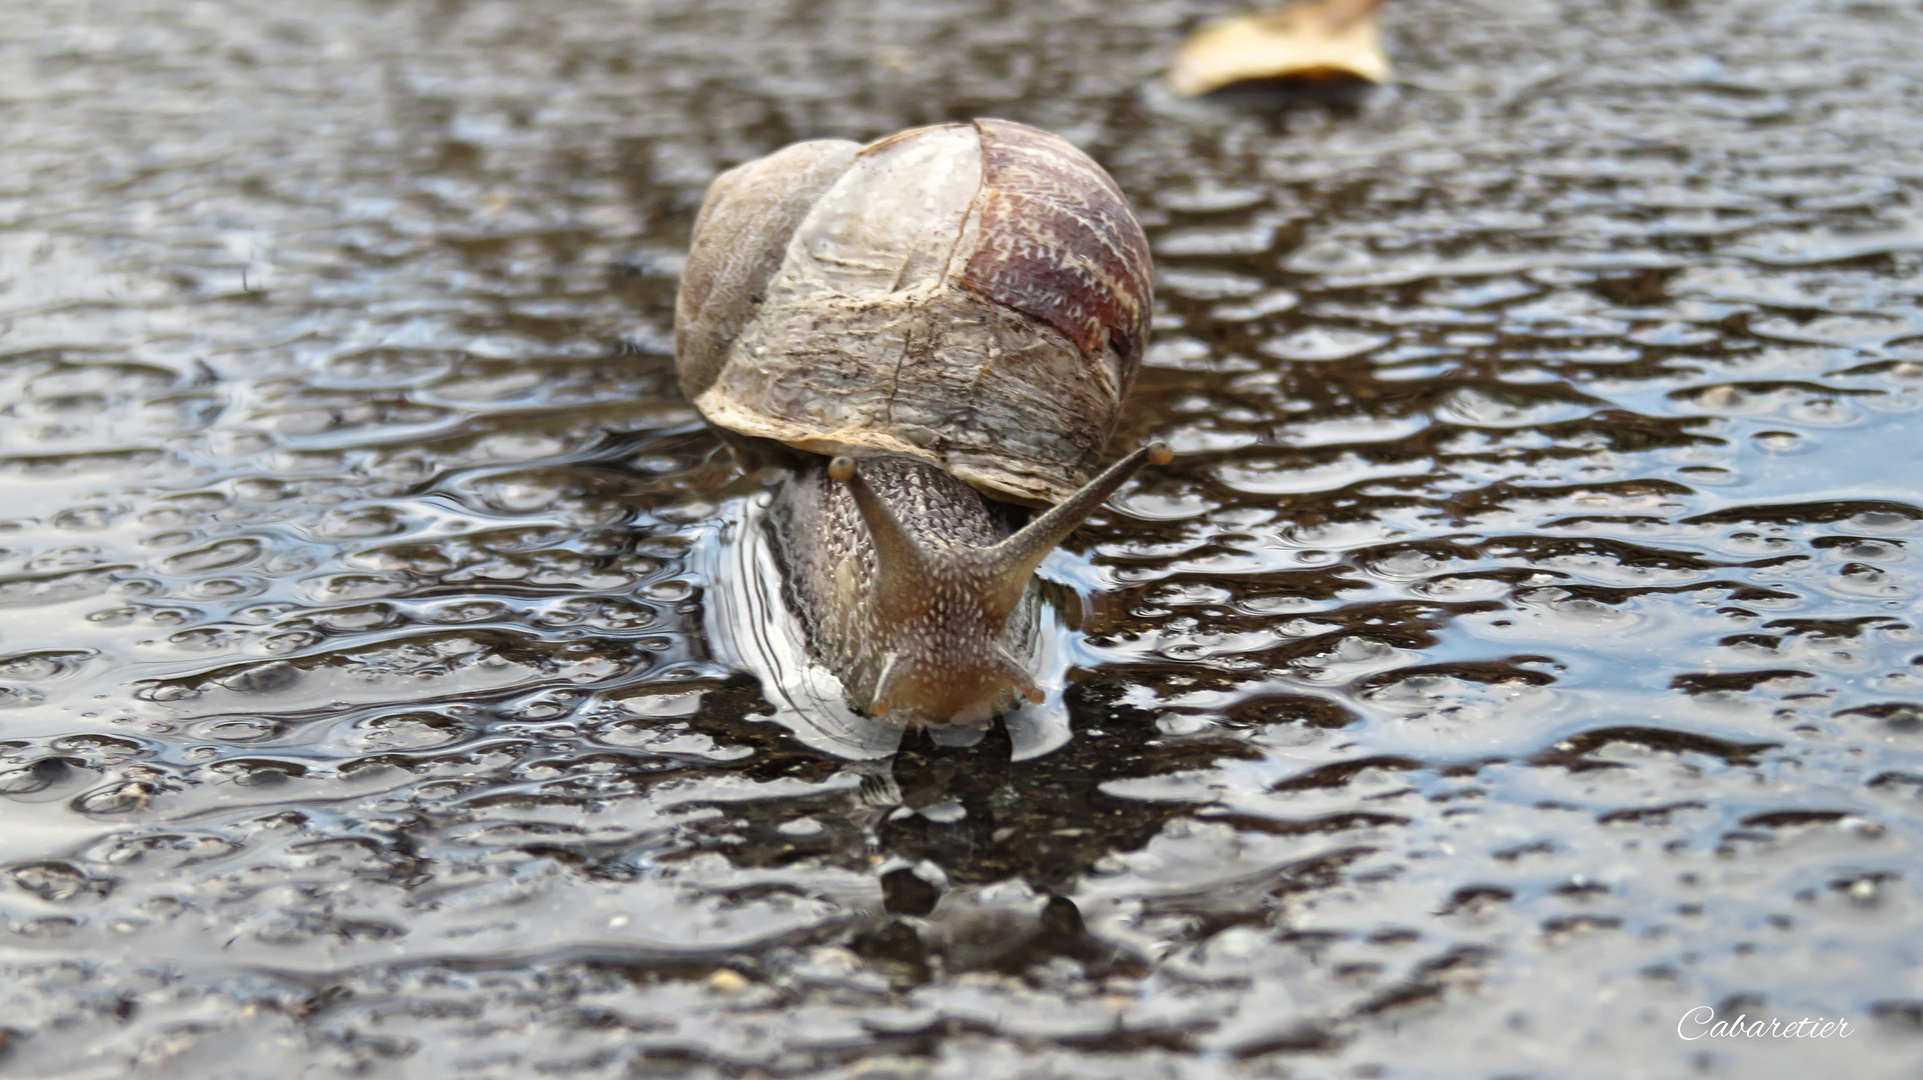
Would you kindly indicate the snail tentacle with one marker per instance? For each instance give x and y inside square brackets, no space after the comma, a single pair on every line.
[900,563]
[1013,561]
[1018,676]
[891,672]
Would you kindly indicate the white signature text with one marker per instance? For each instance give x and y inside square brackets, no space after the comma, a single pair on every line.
[1701,1023]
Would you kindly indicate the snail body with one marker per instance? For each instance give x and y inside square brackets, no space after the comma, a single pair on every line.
[932,330]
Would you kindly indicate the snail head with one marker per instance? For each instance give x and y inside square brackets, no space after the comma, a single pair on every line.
[937,618]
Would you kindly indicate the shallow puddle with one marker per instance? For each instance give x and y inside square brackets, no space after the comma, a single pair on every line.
[1520,653]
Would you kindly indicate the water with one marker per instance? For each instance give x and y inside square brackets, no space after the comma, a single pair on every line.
[1520,653]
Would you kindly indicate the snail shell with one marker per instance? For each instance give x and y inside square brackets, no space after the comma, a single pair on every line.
[975,295]
[963,308]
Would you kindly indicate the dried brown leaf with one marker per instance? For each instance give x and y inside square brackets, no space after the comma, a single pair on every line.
[1315,39]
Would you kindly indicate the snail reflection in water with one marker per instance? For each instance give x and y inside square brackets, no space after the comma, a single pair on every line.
[925,330]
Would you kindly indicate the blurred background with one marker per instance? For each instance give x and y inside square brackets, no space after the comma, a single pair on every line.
[1519,654]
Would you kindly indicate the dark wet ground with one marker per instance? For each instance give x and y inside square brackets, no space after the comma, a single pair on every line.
[1521,651]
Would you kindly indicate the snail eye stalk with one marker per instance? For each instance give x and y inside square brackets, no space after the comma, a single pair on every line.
[1013,561]
[903,567]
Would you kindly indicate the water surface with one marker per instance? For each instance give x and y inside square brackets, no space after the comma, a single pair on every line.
[1520,652]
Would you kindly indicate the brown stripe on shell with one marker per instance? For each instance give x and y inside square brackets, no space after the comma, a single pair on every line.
[1058,242]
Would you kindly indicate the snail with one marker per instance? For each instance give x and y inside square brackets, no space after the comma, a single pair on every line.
[931,331]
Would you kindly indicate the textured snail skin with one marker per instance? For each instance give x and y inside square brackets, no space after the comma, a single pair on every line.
[953,315]
[913,589]
[833,581]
